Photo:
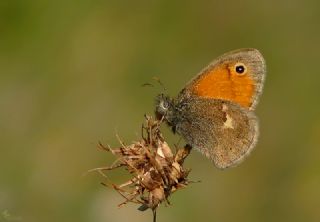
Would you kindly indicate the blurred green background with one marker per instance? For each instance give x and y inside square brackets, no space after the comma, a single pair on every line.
[71,75]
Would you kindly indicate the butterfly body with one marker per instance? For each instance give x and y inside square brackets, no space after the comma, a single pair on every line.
[214,111]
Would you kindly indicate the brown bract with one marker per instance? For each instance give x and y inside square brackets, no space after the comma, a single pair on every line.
[156,171]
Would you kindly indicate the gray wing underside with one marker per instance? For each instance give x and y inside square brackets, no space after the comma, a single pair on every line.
[223,131]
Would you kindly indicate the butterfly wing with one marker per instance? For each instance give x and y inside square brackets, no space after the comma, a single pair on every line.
[214,112]
[221,79]
[223,131]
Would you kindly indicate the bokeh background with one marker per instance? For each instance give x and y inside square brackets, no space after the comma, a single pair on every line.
[71,75]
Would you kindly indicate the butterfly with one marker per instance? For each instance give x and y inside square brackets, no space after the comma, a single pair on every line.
[214,112]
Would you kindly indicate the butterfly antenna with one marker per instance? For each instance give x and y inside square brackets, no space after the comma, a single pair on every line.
[160,83]
[147,84]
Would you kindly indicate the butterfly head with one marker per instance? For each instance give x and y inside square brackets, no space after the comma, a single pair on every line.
[165,107]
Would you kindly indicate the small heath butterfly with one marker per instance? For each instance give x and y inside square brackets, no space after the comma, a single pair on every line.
[214,111]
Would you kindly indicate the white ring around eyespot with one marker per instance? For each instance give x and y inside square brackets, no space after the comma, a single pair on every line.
[240,64]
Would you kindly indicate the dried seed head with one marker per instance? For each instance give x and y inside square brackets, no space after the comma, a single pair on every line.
[156,171]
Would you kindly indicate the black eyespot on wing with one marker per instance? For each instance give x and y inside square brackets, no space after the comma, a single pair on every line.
[240,69]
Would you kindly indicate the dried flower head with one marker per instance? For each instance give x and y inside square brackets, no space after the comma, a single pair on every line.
[156,171]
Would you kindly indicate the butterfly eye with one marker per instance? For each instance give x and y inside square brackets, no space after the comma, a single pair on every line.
[164,105]
[240,69]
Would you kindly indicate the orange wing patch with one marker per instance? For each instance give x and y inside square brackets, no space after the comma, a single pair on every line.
[223,83]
